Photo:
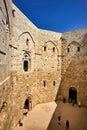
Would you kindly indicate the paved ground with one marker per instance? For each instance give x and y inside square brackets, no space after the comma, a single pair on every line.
[44,117]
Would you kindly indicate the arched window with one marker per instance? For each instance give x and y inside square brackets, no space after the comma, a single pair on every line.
[26,62]
[25,66]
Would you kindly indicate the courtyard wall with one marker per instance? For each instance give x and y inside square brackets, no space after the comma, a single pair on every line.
[37,64]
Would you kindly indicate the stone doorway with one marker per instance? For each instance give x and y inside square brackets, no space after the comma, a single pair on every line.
[73,95]
[28,103]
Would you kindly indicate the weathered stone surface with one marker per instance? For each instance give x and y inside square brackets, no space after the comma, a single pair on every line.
[37,64]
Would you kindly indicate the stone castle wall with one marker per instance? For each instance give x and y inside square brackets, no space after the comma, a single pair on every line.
[5,29]
[5,84]
[74,64]
[37,64]
[28,45]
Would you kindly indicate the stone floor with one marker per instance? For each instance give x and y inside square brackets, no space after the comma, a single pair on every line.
[44,117]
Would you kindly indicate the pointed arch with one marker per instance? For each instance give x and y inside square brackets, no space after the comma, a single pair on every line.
[45,44]
[29,35]
[74,43]
[54,55]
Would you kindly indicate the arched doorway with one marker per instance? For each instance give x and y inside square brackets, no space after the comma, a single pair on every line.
[28,103]
[73,95]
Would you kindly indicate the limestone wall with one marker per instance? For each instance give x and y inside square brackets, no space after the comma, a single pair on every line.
[5,37]
[5,86]
[5,104]
[48,64]
[37,64]
[28,45]
[74,64]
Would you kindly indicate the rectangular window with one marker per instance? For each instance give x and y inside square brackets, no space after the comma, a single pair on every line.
[53,49]
[78,49]
[44,48]
[54,83]
[44,83]
[67,49]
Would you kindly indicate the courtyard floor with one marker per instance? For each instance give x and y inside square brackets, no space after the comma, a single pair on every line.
[45,117]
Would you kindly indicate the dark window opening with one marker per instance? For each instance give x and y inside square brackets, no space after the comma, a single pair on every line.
[54,82]
[26,55]
[27,40]
[78,49]
[53,49]
[44,83]
[44,48]
[25,65]
[67,49]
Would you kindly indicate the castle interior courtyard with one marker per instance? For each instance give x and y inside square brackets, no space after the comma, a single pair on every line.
[45,117]
[43,75]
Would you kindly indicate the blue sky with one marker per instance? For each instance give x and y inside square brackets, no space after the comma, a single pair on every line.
[55,15]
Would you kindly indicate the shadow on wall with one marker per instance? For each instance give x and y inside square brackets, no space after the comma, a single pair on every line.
[85,39]
[59,117]
[63,109]
[74,71]
[67,79]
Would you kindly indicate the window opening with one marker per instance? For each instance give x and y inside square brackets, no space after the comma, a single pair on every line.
[27,40]
[68,50]
[78,49]
[44,48]
[53,49]
[26,55]
[25,65]
[44,83]
[54,82]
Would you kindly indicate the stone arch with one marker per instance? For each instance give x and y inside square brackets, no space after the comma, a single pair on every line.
[47,42]
[56,50]
[29,35]
[73,94]
[53,56]
[28,102]
[74,42]
[26,42]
